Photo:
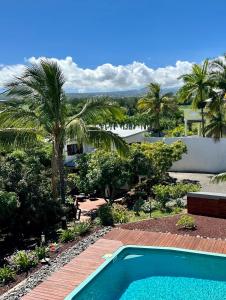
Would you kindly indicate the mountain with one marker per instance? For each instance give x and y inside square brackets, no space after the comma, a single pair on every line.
[116,94]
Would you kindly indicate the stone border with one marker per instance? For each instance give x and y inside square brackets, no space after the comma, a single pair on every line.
[34,279]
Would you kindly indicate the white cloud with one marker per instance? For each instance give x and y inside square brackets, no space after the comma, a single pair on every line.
[106,77]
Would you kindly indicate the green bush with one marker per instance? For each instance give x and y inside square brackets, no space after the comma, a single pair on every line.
[180,190]
[41,252]
[120,214]
[162,194]
[166,193]
[82,228]
[138,206]
[105,214]
[24,260]
[186,222]
[8,208]
[6,275]
[177,210]
[146,207]
[29,207]
[67,235]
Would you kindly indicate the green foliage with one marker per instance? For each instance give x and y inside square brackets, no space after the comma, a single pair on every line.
[166,193]
[82,228]
[186,222]
[197,86]
[25,197]
[178,131]
[120,213]
[162,194]
[138,205]
[6,275]
[67,235]
[146,206]
[41,252]
[8,207]
[180,190]
[24,260]
[157,105]
[105,214]
[161,155]
[103,171]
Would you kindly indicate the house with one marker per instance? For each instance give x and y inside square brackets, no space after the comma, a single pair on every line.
[72,149]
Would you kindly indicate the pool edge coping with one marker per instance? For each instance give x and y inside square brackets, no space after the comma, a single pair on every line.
[122,248]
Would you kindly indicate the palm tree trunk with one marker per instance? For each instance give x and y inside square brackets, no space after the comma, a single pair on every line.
[61,173]
[54,178]
[203,122]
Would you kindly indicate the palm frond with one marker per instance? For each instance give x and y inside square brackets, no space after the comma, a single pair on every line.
[18,138]
[107,140]
[18,117]
[219,178]
[76,130]
[99,109]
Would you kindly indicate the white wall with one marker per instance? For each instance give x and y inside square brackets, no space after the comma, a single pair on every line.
[203,155]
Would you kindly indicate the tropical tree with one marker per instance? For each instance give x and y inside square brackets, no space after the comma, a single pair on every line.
[218,73]
[43,113]
[216,116]
[156,105]
[196,88]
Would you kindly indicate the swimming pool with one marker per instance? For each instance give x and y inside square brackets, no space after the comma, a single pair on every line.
[140,273]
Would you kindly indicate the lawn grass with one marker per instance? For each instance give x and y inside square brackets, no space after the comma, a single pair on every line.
[157,213]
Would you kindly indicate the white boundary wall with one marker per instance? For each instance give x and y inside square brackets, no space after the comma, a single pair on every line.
[203,154]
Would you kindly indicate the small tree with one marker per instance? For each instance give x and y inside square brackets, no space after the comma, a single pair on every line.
[105,171]
[161,156]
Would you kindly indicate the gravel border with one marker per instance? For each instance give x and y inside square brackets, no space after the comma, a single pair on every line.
[34,279]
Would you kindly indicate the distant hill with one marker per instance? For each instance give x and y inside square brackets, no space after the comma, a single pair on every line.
[116,94]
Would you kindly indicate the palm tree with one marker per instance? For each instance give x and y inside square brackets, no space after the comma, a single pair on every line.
[44,113]
[196,87]
[157,105]
[218,72]
[216,116]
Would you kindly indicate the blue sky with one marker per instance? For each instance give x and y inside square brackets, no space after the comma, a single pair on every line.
[93,33]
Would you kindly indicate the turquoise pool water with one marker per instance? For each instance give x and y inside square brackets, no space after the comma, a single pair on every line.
[141,273]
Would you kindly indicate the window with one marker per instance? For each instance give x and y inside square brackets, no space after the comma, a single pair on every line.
[73,149]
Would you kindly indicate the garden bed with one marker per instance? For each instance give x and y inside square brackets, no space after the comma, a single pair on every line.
[64,254]
[206,227]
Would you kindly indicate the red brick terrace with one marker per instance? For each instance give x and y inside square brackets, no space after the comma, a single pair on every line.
[63,281]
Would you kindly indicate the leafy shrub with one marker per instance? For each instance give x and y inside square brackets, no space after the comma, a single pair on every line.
[120,214]
[162,194]
[8,207]
[166,193]
[179,131]
[132,198]
[41,252]
[179,190]
[97,221]
[138,205]
[186,222]
[161,155]
[105,214]
[29,207]
[177,210]
[24,260]
[67,235]
[6,274]
[82,228]
[146,207]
